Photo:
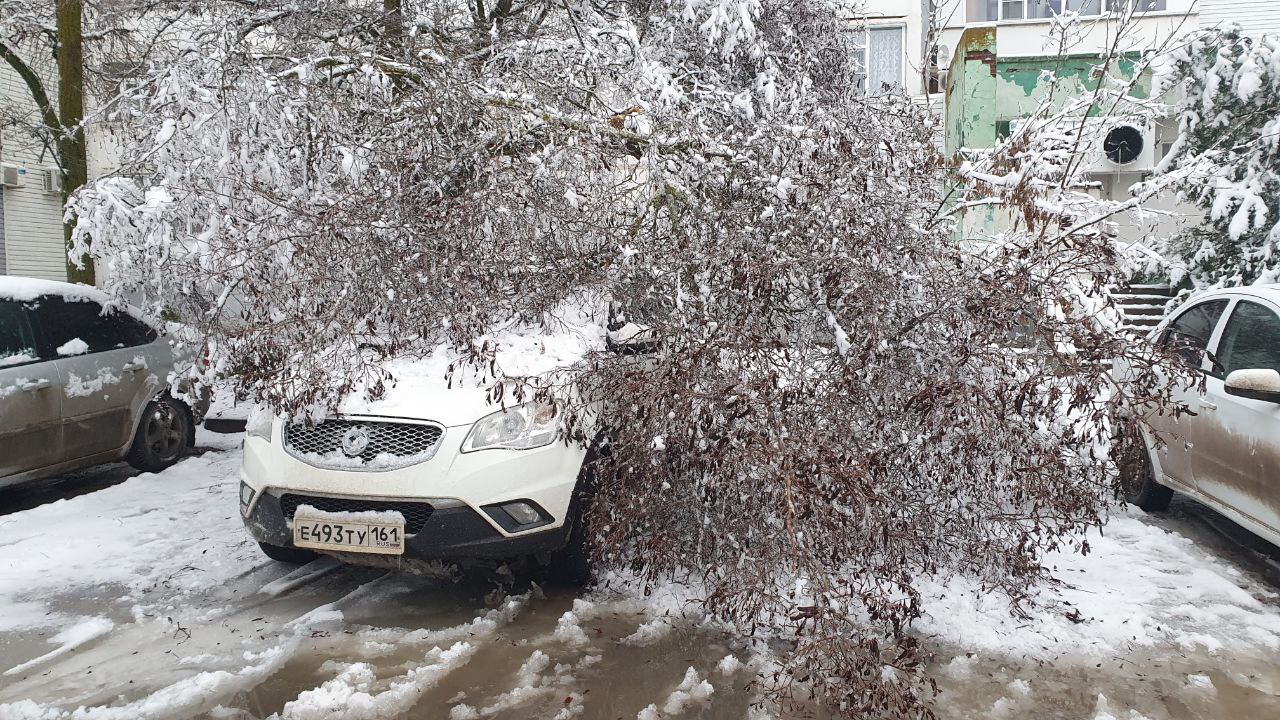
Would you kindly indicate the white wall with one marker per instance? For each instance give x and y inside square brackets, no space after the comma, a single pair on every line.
[1095,34]
[32,224]
[1254,16]
[33,232]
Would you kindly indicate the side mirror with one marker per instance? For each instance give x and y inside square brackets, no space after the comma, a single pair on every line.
[1255,384]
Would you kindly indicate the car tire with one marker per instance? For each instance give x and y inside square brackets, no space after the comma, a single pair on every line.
[571,565]
[295,556]
[162,436]
[1137,477]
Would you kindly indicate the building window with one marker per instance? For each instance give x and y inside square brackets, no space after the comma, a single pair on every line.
[1140,5]
[877,59]
[992,10]
[982,10]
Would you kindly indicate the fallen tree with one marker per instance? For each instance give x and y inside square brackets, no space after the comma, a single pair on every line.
[846,392]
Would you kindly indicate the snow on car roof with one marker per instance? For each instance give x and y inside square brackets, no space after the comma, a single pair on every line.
[25,288]
[1269,291]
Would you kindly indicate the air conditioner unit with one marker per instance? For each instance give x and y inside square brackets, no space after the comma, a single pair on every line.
[1110,145]
[14,176]
[52,181]
[1119,145]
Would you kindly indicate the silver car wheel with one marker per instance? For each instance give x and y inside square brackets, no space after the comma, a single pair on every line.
[164,431]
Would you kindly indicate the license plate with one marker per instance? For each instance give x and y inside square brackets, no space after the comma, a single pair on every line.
[347,532]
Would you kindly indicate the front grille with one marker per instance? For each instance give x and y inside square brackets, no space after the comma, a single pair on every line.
[391,445]
[415,513]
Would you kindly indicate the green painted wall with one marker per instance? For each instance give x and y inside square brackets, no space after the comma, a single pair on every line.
[985,92]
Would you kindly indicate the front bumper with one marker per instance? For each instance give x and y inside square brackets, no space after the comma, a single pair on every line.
[449,533]
[458,486]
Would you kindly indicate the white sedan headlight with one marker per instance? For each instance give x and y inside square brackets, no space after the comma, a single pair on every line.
[521,427]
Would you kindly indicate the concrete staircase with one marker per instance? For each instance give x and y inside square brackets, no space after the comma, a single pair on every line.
[1143,306]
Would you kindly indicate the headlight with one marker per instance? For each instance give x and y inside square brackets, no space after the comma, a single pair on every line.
[260,424]
[522,427]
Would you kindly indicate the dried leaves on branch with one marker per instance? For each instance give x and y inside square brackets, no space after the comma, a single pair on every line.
[848,393]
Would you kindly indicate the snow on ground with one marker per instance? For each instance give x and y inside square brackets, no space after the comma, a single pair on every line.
[172,530]
[147,600]
[1140,586]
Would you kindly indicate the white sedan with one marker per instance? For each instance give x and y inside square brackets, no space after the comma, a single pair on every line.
[1224,452]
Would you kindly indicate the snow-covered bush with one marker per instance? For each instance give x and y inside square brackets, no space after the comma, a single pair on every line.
[1230,132]
[833,408]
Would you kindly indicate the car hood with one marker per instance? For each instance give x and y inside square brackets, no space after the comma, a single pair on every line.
[424,388]
[419,396]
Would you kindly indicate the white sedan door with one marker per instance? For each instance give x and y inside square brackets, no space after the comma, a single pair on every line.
[1189,335]
[1236,440]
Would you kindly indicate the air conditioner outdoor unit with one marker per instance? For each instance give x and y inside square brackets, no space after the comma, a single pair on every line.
[14,176]
[1110,144]
[1119,145]
[51,182]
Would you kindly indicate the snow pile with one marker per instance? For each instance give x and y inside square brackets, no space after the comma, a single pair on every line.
[569,629]
[531,683]
[386,517]
[196,694]
[517,350]
[84,387]
[26,289]
[378,641]
[1140,585]
[20,358]
[692,691]
[349,696]
[729,665]
[178,529]
[74,346]
[649,633]
[1260,380]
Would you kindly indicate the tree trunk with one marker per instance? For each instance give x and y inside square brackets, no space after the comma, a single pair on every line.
[393,28]
[72,153]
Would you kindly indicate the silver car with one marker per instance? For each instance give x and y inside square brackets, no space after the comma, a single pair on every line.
[1225,450]
[83,380]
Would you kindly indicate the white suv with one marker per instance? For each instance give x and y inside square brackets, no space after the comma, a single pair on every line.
[1226,451]
[431,473]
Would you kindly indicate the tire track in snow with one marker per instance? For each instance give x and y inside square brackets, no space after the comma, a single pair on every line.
[350,694]
[209,689]
[300,576]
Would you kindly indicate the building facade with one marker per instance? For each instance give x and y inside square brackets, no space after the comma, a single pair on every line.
[31,240]
[31,233]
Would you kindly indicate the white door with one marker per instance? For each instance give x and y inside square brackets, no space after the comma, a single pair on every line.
[1236,440]
[1189,334]
[30,397]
